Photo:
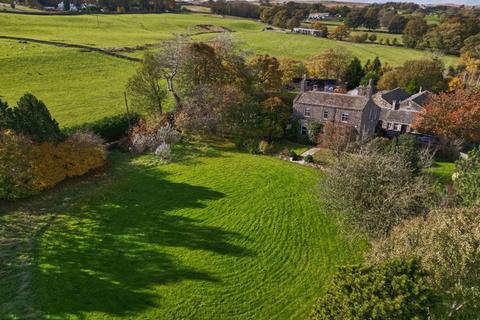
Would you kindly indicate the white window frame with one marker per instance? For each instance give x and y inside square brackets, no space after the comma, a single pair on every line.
[345,116]
[397,127]
[306,112]
[325,114]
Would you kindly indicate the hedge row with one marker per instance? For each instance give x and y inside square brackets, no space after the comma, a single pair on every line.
[110,128]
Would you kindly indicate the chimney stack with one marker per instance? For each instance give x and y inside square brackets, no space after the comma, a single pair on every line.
[303,83]
[370,89]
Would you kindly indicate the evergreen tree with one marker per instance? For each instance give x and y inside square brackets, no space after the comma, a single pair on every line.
[370,75]
[412,87]
[354,73]
[66,5]
[5,116]
[32,118]
[376,65]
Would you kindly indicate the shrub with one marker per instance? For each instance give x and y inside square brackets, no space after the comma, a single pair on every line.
[292,154]
[148,136]
[48,167]
[308,158]
[313,130]
[392,290]
[264,147]
[285,153]
[447,243]
[110,128]
[359,38]
[81,152]
[338,137]
[27,167]
[77,155]
[372,37]
[15,170]
[250,145]
[376,191]
[31,118]
[142,137]
[466,178]
[405,146]
[167,135]
[163,151]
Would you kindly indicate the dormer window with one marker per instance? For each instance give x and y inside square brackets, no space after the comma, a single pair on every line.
[306,112]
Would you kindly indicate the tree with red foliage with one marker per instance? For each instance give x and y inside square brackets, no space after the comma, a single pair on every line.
[452,115]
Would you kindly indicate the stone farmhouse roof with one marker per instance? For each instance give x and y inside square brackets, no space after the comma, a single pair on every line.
[328,99]
[397,94]
[398,107]
[398,116]
[419,98]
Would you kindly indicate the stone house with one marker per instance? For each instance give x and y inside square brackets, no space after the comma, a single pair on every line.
[399,109]
[357,110]
[363,109]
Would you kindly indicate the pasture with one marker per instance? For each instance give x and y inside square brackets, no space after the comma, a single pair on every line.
[185,241]
[113,31]
[77,86]
[81,86]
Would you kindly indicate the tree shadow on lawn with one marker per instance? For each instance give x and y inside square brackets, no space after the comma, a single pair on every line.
[108,255]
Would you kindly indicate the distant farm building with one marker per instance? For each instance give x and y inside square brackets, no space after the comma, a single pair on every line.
[320,16]
[312,32]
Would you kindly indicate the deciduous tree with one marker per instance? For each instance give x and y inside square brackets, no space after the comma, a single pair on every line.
[446,241]
[414,31]
[452,115]
[267,73]
[144,87]
[332,63]
[340,33]
[374,192]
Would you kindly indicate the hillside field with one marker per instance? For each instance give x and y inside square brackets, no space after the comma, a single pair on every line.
[183,241]
[77,86]
[80,86]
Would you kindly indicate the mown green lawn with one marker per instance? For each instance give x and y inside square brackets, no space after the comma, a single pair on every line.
[217,234]
[76,86]
[442,171]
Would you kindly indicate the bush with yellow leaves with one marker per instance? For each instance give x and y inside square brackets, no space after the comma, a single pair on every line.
[82,152]
[27,167]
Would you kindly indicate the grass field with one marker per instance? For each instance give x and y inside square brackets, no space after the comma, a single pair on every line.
[84,86]
[187,241]
[108,31]
[76,86]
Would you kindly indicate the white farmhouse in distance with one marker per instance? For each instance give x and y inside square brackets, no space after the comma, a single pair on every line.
[73,8]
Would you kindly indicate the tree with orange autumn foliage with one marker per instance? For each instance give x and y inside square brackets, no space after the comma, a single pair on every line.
[452,115]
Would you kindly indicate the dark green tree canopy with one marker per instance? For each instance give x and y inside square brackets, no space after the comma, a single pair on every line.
[31,118]
[354,73]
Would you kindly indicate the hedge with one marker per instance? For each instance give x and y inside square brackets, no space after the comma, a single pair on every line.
[110,128]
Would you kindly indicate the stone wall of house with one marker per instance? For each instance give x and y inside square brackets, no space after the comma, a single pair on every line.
[334,114]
